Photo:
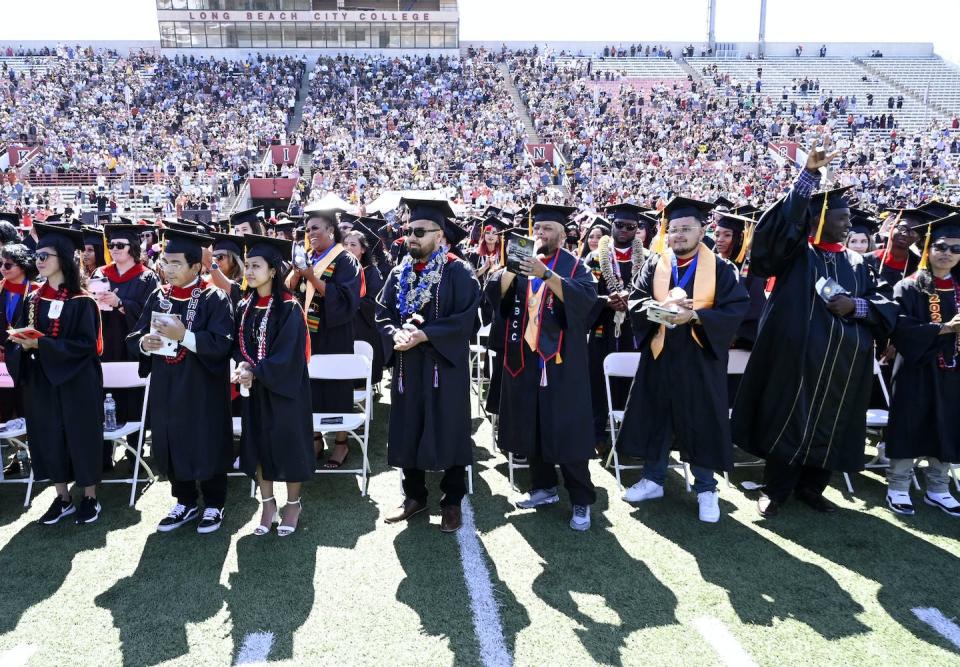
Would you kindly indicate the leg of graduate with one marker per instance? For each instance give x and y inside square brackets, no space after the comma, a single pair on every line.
[186,493]
[937,476]
[813,481]
[576,479]
[780,479]
[454,485]
[415,485]
[214,491]
[900,474]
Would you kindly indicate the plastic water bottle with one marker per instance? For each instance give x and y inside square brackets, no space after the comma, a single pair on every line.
[109,414]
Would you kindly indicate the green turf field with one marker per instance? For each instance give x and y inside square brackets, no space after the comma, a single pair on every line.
[647,585]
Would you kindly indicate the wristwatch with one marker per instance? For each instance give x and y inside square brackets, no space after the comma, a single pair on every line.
[548,274]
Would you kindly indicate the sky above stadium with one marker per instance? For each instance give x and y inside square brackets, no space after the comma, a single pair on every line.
[615,20]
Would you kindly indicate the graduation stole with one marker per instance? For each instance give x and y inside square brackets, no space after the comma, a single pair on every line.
[704,289]
[323,269]
[543,335]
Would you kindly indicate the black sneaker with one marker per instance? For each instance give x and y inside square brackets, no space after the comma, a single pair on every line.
[212,518]
[58,509]
[179,515]
[89,511]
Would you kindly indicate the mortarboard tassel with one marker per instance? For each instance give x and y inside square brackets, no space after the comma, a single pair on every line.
[503,250]
[823,218]
[107,257]
[744,244]
[925,257]
[530,222]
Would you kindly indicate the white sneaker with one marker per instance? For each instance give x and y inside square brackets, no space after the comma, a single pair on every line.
[538,497]
[944,501]
[899,502]
[643,490]
[709,502]
[581,517]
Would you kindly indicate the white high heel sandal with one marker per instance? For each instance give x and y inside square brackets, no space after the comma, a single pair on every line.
[263,530]
[284,531]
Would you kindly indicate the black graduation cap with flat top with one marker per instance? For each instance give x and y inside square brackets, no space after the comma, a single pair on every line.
[733,221]
[272,249]
[177,241]
[190,227]
[837,199]
[126,232]
[250,215]
[439,211]
[862,222]
[724,202]
[368,227]
[939,209]
[92,236]
[12,218]
[552,213]
[625,211]
[63,239]
[228,242]
[912,217]
[685,207]
[601,223]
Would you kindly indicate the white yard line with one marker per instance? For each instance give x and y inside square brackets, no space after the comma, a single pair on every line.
[486,614]
[17,656]
[256,648]
[723,642]
[946,627]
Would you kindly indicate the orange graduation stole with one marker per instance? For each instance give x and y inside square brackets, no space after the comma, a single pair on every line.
[704,289]
[320,269]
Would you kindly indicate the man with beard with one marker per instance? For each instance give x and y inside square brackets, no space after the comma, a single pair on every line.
[426,312]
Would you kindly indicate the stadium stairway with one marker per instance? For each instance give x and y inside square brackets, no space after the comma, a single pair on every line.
[532,136]
[293,126]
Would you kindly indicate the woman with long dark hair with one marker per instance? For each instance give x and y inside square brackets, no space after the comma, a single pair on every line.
[272,354]
[54,359]
[359,242]
[92,257]
[226,271]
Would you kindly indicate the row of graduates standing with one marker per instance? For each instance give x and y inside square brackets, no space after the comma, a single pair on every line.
[265,331]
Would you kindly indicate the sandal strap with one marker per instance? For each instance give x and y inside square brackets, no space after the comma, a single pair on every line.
[293,502]
[267,500]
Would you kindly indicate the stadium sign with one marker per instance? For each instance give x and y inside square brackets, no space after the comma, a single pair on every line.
[311,16]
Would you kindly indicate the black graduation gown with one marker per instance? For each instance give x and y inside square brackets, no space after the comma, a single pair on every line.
[679,399]
[430,418]
[62,385]
[190,401]
[331,323]
[603,339]
[277,419]
[11,399]
[553,419]
[747,331]
[925,396]
[365,321]
[806,388]
[891,275]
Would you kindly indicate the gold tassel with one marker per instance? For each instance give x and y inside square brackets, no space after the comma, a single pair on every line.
[925,257]
[107,257]
[744,243]
[530,222]
[661,240]
[503,249]
[823,219]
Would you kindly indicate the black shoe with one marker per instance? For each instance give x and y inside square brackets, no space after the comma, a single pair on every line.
[58,509]
[212,518]
[13,469]
[767,507]
[179,515]
[816,501]
[89,511]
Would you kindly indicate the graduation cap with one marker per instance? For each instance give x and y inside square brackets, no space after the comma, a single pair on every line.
[104,218]
[229,242]
[625,211]
[748,210]
[190,227]
[436,210]
[863,223]
[56,217]
[685,207]
[286,226]
[493,211]
[599,222]
[939,209]
[12,218]
[128,232]
[828,200]
[945,227]
[913,217]
[552,213]
[495,222]
[63,239]
[724,202]
[92,236]
[368,227]
[348,218]
[272,249]
[251,216]
[177,241]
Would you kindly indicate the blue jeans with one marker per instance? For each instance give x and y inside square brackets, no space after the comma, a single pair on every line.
[656,471]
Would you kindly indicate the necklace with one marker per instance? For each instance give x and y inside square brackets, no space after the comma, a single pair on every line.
[167,305]
[415,290]
[261,332]
[53,327]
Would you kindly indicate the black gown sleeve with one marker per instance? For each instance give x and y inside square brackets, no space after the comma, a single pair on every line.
[136,297]
[215,339]
[780,236]
[445,335]
[388,317]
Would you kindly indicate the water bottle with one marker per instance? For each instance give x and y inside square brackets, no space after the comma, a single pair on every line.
[109,414]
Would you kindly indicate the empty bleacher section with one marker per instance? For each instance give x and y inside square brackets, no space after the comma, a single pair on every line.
[931,79]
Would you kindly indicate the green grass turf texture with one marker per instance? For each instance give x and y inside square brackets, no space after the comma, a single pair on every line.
[348,589]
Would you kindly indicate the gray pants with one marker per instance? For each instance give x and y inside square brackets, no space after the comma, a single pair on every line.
[937,475]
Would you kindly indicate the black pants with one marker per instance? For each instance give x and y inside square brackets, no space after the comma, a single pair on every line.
[576,479]
[782,479]
[214,491]
[453,484]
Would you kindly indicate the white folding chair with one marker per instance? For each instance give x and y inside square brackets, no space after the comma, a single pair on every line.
[624,365]
[125,375]
[356,425]
[360,398]
[877,420]
[237,432]
[737,365]
[14,431]
[478,351]
[494,418]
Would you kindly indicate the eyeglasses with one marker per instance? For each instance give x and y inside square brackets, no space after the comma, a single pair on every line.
[419,232]
[7,265]
[43,256]
[940,246]
[118,246]
[682,230]
[629,226]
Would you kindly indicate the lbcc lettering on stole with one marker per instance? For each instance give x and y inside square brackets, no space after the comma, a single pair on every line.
[398,17]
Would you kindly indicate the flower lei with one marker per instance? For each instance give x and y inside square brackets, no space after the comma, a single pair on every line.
[167,305]
[261,332]
[420,285]
[54,325]
[936,317]
[611,276]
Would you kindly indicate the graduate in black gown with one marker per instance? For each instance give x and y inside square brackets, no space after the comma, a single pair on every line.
[926,387]
[733,235]
[803,397]
[619,256]
[60,376]
[272,354]
[545,411]
[678,400]
[427,311]
[898,259]
[190,422]
[366,247]
[329,285]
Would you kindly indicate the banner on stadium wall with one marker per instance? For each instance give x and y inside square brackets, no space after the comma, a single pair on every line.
[285,154]
[786,150]
[541,153]
[17,154]
[310,16]
[272,188]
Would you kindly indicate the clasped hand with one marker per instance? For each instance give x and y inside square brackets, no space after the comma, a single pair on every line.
[685,307]
[243,375]
[404,339]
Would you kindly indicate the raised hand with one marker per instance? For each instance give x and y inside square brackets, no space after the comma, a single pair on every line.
[820,156]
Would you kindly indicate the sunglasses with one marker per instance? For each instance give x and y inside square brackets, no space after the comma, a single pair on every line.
[7,265]
[43,255]
[629,226]
[420,232]
[940,246]
[118,246]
